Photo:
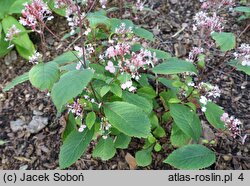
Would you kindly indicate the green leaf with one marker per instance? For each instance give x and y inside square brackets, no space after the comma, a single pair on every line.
[159,132]
[244,9]
[147,92]
[139,101]
[16,81]
[44,75]
[116,23]
[69,86]
[174,66]
[104,149]
[168,83]
[144,157]
[74,146]
[22,42]
[122,141]
[17,6]
[237,64]
[104,90]
[116,89]
[143,33]
[97,18]
[66,57]
[70,126]
[186,120]
[213,114]
[4,44]
[191,157]
[178,138]
[226,41]
[90,119]
[160,54]
[128,118]
[2,142]
[153,120]
[4,7]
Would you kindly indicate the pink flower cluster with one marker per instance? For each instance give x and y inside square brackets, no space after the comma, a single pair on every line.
[233,124]
[13,31]
[120,51]
[139,5]
[194,53]
[35,15]
[76,108]
[35,58]
[207,4]
[243,54]
[63,3]
[208,23]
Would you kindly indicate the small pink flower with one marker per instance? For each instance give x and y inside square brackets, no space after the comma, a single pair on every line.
[82,127]
[110,67]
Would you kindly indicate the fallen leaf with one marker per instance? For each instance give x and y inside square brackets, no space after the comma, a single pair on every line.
[131,161]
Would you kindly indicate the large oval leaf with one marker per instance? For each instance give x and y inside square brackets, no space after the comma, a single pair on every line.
[174,66]
[139,101]
[226,41]
[74,146]
[104,149]
[128,118]
[178,138]
[44,75]
[213,114]
[191,157]
[69,86]
[186,120]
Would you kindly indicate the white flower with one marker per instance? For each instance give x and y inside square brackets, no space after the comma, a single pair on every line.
[82,127]
[203,100]
[203,109]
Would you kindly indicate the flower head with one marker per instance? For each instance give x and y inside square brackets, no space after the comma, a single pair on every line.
[35,58]
[110,67]
[35,15]
[13,31]
[233,125]
[243,54]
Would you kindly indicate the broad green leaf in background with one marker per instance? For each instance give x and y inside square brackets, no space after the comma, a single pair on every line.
[186,120]
[144,157]
[238,66]
[147,92]
[66,57]
[22,42]
[160,54]
[16,81]
[69,86]
[244,9]
[70,126]
[174,66]
[97,18]
[192,157]
[213,114]
[17,6]
[90,119]
[4,7]
[74,146]
[143,33]
[116,23]
[44,75]
[226,41]
[128,118]
[104,149]
[178,137]
[137,100]
[122,141]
